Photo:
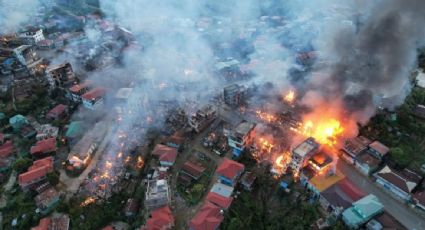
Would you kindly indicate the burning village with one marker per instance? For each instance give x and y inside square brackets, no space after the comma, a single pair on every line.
[206,115]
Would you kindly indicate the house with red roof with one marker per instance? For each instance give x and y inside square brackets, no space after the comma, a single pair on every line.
[43,147]
[6,149]
[378,149]
[166,155]
[94,98]
[36,173]
[399,183]
[339,197]
[209,217]
[229,171]
[44,224]
[58,112]
[77,90]
[193,170]
[221,201]
[160,219]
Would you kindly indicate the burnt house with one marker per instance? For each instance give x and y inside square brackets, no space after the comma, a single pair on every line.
[61,76]
[234,95]
[202,118]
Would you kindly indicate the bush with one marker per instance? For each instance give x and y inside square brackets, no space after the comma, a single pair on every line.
[53,178]
[22,164]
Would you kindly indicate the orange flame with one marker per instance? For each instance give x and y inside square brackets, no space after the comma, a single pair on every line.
[325,131]
[289,97]
[87,201]
[266,116]
[140,162]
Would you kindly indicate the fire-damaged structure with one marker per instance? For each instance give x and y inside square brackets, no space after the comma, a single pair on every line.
[302,153]
[82,151]
[61,76]
[202,118]
[234,95]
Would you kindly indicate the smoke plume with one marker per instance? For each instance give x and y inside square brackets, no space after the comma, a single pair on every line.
[14,13]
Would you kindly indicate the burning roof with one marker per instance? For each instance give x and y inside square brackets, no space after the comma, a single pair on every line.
[307,147]
[320,161]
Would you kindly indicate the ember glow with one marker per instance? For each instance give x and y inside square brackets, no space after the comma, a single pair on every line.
[89,200]
[264,116]
[289,97]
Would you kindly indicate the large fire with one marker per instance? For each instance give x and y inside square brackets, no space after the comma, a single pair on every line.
[266,116]
[324,131]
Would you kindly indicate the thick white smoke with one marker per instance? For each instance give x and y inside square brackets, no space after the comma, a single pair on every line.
[14,13]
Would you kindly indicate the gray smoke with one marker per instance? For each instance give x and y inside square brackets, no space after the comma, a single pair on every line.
[371,61]
[15,13]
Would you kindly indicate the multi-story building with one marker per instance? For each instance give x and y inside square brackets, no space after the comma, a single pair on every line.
[157,194]
[31,37]
[302,153]
[233,95]
[202,118]
[241,137]
[61,76]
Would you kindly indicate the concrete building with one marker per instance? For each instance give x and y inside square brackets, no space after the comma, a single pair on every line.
[61,76]
[157,194]
[233,95]
[302,153]
[242,137]
[25,54]
[33,36]
[362,211]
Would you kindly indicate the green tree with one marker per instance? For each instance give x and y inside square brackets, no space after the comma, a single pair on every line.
[197,188]
[400,157]
[235,224]
[22,164]
[53,178]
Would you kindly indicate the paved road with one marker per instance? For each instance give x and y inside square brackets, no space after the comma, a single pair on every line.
[402,212]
